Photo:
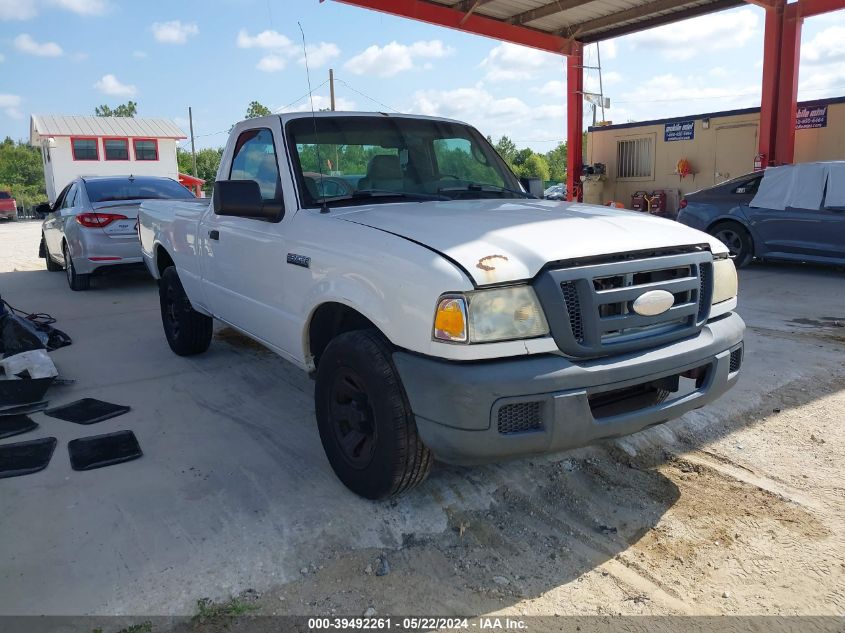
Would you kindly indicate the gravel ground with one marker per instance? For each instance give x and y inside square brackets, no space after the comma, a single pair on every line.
[735,509]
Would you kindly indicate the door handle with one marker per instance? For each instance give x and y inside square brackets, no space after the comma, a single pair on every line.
[214,235]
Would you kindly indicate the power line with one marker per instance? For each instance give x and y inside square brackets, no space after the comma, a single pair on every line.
[376,101]
[310,92]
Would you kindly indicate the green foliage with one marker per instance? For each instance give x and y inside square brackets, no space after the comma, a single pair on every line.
[556,159]
[345,159]
[256,109]
[128,109]
[21,172]
[535,166]
[209,611]
[507,149]
[208,160]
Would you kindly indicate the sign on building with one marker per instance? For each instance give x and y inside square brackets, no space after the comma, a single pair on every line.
[679,131]
[807,118]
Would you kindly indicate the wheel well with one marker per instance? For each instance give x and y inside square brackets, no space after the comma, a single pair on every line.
[713,225]
[163,260]
[330,320]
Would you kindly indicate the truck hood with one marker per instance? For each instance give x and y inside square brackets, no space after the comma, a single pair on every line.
[499,241]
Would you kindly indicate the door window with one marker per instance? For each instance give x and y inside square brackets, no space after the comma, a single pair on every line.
[255,159]
[70,197]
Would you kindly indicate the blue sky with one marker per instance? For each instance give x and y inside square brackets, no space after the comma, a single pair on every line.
[67,56]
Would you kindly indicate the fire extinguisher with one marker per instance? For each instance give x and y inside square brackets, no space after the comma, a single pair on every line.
[760,162]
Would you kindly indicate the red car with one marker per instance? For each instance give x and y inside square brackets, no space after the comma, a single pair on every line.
[8,206]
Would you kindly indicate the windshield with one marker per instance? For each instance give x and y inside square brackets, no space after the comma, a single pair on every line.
[135,189]
[361,160]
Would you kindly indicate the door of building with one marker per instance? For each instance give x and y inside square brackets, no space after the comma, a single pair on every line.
[736,146]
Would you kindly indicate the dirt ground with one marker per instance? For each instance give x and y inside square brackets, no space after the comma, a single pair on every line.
[736,509]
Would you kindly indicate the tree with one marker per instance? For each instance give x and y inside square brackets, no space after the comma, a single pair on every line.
[128,109]
[507,149]
[208,160]
[535,166]
[21,172]
[256,109]
[556,159]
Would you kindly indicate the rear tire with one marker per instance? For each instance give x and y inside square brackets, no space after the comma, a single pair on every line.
[44,252]
[737,239]
[365,420]
[75,281]
[188,332]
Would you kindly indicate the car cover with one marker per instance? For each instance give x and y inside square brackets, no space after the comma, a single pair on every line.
[802,186]
[20,334]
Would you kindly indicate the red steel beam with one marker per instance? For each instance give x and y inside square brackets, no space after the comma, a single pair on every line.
[771,62]
[787,98]
[574,119]
[809,8]
[441,15]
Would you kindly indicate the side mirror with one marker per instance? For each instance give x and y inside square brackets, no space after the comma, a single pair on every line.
[242,198]
[43,210]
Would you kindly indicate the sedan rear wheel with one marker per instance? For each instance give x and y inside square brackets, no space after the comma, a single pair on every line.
[74,280]
[738,241]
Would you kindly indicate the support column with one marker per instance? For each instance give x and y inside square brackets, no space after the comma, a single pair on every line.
[771,62]
[787,97]
[574,118]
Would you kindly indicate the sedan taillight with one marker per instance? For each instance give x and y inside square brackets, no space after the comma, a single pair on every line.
[98,220]
[682,204]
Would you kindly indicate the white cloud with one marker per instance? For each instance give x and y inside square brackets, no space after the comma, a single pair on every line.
[320,54]
[17,9]
[110,85]
[25,44]
[608,50]
[552,88]
[83,7]
[174,32]
[827,46]
[394,58]
[510,62]
[266,39]
[321,103]
[10,104]
[272,63]
[726,29]
[139,54]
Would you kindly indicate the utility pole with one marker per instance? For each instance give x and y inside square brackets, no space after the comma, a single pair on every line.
[193,147]
[331,87]
[601,87]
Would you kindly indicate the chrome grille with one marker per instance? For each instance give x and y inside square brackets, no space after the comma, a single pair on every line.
[590,307]
[520,417]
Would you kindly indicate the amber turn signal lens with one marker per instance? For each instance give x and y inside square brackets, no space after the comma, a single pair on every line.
[450,320]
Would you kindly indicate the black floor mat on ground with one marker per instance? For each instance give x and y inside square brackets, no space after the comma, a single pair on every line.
[23,391]
[87,411]
[87,453]
[23,458]
[15,425]
[22,409]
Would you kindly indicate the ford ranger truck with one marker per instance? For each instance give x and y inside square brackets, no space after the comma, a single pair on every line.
[443,312]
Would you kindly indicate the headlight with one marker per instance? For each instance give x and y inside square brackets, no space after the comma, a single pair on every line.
[485,316]
[725,285]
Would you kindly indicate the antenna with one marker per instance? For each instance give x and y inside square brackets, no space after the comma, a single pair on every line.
[324,208]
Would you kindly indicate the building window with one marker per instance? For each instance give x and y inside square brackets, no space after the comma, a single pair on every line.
[635,158]
[116,148]
[146,149]
[84,149]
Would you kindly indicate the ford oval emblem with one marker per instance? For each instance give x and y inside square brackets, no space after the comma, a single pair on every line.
[653,302]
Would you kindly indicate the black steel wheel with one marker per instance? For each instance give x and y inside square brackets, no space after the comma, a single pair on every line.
[188,332]
[365,420]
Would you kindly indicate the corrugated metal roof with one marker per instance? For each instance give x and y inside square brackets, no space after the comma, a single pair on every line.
[43,125]
[588,20]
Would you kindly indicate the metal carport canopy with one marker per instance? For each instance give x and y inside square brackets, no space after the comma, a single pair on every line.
[561,27]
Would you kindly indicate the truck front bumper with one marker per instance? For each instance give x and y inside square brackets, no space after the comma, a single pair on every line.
[477,412]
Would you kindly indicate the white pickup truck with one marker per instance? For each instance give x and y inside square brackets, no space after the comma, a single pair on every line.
[443,312]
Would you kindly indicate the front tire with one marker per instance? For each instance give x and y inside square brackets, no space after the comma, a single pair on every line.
[188,332]
[737,239]
[75,281]
[365,420]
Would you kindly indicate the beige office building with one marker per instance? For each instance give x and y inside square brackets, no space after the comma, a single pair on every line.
[717,147]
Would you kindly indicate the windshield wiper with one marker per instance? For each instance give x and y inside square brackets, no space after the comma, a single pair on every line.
[384,193]
[484,187]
